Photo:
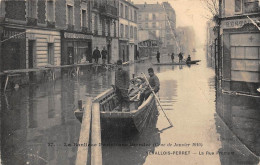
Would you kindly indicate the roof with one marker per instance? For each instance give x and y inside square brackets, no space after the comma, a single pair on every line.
[150,7]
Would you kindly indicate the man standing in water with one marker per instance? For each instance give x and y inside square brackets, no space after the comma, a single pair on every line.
[154,83]
[122,81]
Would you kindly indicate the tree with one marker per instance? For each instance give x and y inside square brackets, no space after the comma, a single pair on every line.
[213,7]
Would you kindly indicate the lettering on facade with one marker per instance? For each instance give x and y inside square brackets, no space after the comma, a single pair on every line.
[13,34]
[76,36]
[228,24]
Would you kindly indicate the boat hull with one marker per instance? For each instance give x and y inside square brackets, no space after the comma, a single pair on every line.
[176,63]
[126,122]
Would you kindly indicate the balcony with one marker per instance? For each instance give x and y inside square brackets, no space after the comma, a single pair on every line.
[31,21]
[109,11]
[50,24]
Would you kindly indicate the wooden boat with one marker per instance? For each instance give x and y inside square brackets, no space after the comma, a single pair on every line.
[177,63]
[136,120]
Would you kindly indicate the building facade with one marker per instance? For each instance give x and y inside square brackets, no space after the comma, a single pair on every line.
[240,60]
[104,26]
[29,38]
[128,30]
[159,19]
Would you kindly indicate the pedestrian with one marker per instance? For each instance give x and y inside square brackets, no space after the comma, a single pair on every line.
[188,59]
[172,57]
[158,56]
[180,57]
[154,83]
[122,81]
[104,55]
[96,55]
[137,55]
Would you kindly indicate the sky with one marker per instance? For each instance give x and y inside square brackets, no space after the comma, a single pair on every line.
[188,13]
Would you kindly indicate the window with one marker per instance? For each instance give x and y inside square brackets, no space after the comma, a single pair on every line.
[121,10]
[50,53]
[131,32]
[154,24]
[126,31]
[154,17]
[32,13]
[131,14]
[238,6]
[146,25]
[108,27]
[103,27]
[135,33]
[84,18]
[70,14]
[50,11]
[135,16]
[122,30]
[96,25]
[126,12]
[114,29]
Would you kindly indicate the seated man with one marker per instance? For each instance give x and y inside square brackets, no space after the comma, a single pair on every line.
[121,87]
[154,83]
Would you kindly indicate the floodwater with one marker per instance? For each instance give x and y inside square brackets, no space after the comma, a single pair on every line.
[209,127]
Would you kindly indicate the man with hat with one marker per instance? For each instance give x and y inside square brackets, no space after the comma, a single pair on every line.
[122,81]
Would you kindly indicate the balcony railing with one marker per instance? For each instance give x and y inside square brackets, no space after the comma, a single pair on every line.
[85,30]
[109,10]
[31,21]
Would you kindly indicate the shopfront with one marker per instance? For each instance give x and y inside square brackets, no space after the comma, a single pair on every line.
[241,55]
[13,52]
[76,48]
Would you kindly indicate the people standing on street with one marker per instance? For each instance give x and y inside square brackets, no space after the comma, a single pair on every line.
[180,57]
[158,56]
[188,59]
[154,83]
[96,55]
[172,57]
[104,55]
[122,81]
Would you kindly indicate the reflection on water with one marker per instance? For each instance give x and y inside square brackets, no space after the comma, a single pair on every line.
[37,120]
[242,116]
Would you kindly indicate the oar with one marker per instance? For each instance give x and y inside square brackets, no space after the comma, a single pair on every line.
[157,100]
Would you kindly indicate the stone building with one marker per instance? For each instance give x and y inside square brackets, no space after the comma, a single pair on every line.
[128,30]
[159,19]
[104,26]
[29,38]
[240,60]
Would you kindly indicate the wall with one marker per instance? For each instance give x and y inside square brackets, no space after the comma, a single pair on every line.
[42,38]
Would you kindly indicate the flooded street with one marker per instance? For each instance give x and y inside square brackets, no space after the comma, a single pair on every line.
[209,127]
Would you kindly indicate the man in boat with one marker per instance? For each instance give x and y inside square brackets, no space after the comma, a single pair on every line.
[188,59]
[154,83]
[122,81]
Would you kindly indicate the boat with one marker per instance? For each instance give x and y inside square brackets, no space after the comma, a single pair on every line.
[136,120]
[177,63]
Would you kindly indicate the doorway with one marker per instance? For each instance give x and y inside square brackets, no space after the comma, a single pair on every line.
[108,53]
[51,53]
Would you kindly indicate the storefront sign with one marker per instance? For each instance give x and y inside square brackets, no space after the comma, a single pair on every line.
[76,36]
[237,23]
[13,33]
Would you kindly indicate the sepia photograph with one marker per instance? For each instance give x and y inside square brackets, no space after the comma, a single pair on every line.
[130,82]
